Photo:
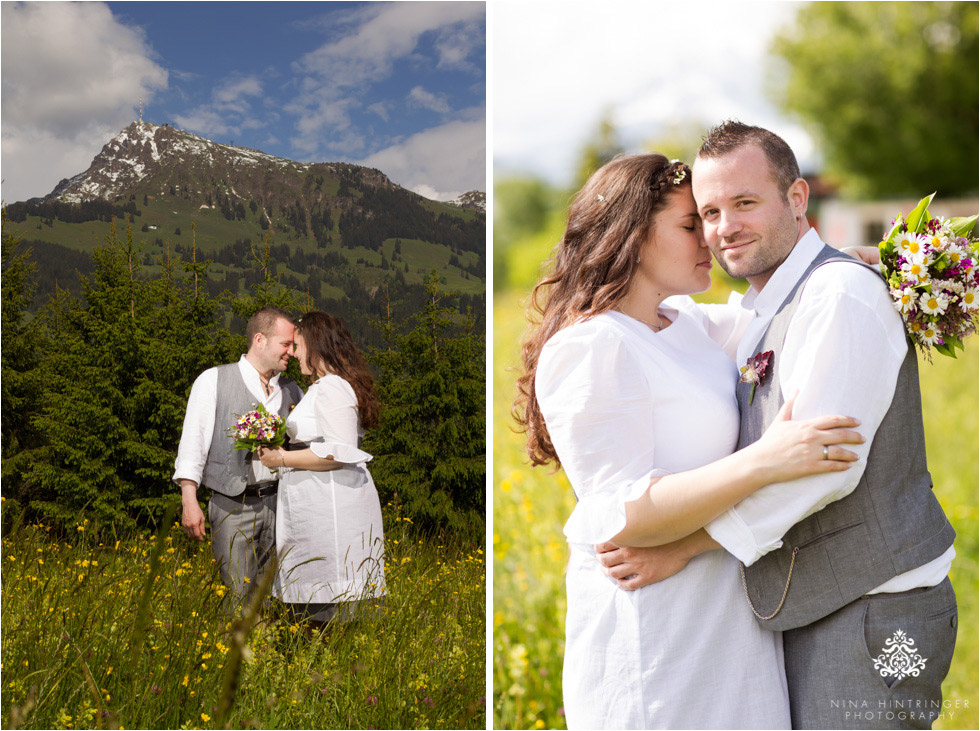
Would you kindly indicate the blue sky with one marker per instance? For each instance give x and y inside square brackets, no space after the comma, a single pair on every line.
[398,86]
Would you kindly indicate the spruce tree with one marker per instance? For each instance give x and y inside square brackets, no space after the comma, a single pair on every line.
[22,342]
[430,450]
[116,387]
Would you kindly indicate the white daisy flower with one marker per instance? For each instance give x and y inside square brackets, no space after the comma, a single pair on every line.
[904,299]
[923,258]
[933,303]
[968,300]
[914,271]
[908,243]
[929,335]
[936,241]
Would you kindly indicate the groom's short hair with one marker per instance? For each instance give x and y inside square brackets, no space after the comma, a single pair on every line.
[732,134]
[264,321]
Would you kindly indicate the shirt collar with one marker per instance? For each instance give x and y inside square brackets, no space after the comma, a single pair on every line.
[766,301]
[249,373]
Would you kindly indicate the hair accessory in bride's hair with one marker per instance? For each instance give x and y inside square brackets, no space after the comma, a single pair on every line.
[601,198]
[680,173]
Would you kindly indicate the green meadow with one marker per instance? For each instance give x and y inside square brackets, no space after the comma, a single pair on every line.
[105,631]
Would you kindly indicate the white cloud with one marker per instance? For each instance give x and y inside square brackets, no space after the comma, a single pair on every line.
[72,78]
[379,108]
[366,45]
[386,32]
[419,97]
[236,90]
[229,111]
[443,161]
[558,66]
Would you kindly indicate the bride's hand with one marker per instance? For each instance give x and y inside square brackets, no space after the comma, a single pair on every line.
[792,449]
[271,458]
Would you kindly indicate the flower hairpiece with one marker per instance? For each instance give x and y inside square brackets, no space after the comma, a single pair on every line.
[601,198]
[680,174]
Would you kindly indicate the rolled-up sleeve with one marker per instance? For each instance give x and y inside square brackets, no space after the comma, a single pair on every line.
[596,402]
[336,417]
[195,437]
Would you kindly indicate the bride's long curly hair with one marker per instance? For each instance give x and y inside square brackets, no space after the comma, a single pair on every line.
[329,342]
[592,266]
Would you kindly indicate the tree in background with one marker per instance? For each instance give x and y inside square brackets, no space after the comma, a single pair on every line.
[602,147]
[680,140]
[430,449]
[115,381]
[889,90]
[22,344]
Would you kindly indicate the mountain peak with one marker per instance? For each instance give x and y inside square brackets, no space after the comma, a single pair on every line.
[474,199]
[143,150]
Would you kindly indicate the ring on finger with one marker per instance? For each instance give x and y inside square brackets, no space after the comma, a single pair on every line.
[826,452]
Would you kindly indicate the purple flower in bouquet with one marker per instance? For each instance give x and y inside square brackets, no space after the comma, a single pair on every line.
[258,428]
[930,266]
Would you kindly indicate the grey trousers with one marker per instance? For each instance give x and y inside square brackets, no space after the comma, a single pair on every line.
[243,536]
[877,663]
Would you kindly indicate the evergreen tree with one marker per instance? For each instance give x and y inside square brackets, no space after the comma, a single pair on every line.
[429,450]
[116,388]
[22,344]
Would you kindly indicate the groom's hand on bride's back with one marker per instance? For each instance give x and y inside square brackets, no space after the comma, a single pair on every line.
[634,568]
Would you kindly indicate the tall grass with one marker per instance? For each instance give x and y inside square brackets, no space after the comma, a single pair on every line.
[530,507]
[78,651]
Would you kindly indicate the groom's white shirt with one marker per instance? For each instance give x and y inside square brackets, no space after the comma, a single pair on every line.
[843,351]
[195,439]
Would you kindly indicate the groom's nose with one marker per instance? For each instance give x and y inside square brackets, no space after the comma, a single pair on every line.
[728,225]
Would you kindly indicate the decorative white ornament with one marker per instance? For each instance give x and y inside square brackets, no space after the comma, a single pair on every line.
[899,658]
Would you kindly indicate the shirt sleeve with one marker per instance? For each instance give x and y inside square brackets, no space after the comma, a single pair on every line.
[596,402]
[195,437]
[335,409]
[843,351]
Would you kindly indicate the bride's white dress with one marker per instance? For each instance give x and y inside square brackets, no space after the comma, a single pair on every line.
[623,403]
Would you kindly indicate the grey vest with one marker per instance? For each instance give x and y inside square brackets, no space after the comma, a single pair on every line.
[226,470]
[890,524]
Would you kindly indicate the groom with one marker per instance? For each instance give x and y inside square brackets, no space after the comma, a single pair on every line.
[851,566]
[242,508]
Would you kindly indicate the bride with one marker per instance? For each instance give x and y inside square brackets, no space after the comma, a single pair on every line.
[627,387]
[329,536]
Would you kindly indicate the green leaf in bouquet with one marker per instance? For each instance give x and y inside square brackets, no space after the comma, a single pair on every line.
[919,214]
[946,349]
[962,225]
[887,244]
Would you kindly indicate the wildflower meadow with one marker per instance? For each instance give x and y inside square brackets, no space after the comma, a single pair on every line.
[130,631]
[530,507]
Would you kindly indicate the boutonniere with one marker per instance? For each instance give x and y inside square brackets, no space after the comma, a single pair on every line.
[755,370]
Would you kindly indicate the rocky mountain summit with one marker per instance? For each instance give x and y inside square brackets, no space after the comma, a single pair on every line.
[474,200]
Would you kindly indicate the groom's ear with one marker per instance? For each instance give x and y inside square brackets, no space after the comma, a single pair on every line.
[798,196]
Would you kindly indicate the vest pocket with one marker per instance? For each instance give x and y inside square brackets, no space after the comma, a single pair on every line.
[829,534]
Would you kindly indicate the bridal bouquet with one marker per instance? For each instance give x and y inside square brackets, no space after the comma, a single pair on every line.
[259,428]
[930,265]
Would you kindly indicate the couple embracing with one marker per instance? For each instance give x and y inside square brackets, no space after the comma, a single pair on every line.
[314,502]
[753,552]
